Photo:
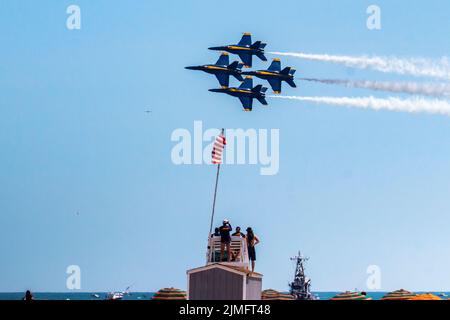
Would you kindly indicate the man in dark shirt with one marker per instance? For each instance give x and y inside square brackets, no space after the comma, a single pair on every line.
[238,233]
[225,239]
[216,233]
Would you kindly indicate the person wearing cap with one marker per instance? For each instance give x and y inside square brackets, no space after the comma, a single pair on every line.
[225,239]
[252,241]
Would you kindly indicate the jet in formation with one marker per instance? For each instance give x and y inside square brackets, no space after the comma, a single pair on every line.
[274,75]
[245,49]
[222,69]
[246,93]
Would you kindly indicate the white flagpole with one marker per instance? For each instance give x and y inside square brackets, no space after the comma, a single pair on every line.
[214,200]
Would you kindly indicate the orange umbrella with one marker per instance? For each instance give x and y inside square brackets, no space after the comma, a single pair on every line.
[425,296]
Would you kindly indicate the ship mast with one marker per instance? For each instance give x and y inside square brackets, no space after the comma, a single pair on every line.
[300,288]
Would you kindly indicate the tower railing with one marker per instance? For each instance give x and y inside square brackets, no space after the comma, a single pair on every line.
[238,252]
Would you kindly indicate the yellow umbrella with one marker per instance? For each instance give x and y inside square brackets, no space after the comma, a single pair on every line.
[348,295]
[401,294]
[170,294]
[271,294]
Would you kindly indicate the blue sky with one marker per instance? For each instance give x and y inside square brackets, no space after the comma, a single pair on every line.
[355,187]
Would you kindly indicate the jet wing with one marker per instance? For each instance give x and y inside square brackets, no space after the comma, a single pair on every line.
[275,84]
[247,83]
[246,59]
[247,103]
[246,40]
[275,65]
[224,60]
[223,79]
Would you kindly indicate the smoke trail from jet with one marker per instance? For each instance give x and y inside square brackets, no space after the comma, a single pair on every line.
[428,89]
[439,68]
[413,105]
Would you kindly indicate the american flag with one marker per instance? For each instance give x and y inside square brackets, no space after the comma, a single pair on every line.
[217,151]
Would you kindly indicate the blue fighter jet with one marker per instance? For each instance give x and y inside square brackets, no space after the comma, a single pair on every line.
[245,49]
[274,75]
[222,69]
[246,93]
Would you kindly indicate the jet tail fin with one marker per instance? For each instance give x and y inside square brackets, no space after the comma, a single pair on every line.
[262,100]
[286,71]
[238,77]
[235,65]
[258,45]
[291,83]
[258,88]
[261,56]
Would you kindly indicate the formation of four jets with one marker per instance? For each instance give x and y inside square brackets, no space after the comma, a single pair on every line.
[222,69]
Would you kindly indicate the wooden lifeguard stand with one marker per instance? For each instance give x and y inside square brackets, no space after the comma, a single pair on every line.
[224,280]
[238,250]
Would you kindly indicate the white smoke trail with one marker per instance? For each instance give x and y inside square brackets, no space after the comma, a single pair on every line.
[439,68]
[428,89]
[415,104]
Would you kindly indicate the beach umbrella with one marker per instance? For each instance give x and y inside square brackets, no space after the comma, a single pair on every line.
[401,294]
[348,295]
[425,296]
[170,294]
[271,294]
[285,296]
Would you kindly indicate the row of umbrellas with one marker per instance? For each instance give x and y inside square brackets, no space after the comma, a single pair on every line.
[400,294]
[270,294]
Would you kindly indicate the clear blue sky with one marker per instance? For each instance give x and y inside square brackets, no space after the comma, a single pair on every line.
[355,187]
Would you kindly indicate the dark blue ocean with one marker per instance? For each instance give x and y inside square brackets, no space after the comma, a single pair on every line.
[74,295]
[145,295]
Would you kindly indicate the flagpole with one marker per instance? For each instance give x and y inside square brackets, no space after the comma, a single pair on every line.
[215,194]
[213,208]
[214,201]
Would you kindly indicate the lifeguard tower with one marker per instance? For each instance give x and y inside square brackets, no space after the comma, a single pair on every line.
[238,250]
[226,279]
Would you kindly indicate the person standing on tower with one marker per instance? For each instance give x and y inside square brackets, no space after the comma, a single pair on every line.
[225,239]
[252,241]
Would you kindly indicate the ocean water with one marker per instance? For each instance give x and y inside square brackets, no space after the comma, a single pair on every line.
[148,295]
[73,295]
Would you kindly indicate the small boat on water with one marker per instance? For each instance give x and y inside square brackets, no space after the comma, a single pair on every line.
[118,295]
[114,296]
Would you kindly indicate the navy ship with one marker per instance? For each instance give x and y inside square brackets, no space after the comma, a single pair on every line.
[300,288]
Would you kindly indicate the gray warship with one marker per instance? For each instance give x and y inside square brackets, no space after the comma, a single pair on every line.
[300,288]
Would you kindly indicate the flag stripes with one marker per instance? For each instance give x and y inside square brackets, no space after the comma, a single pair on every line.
[217,151]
